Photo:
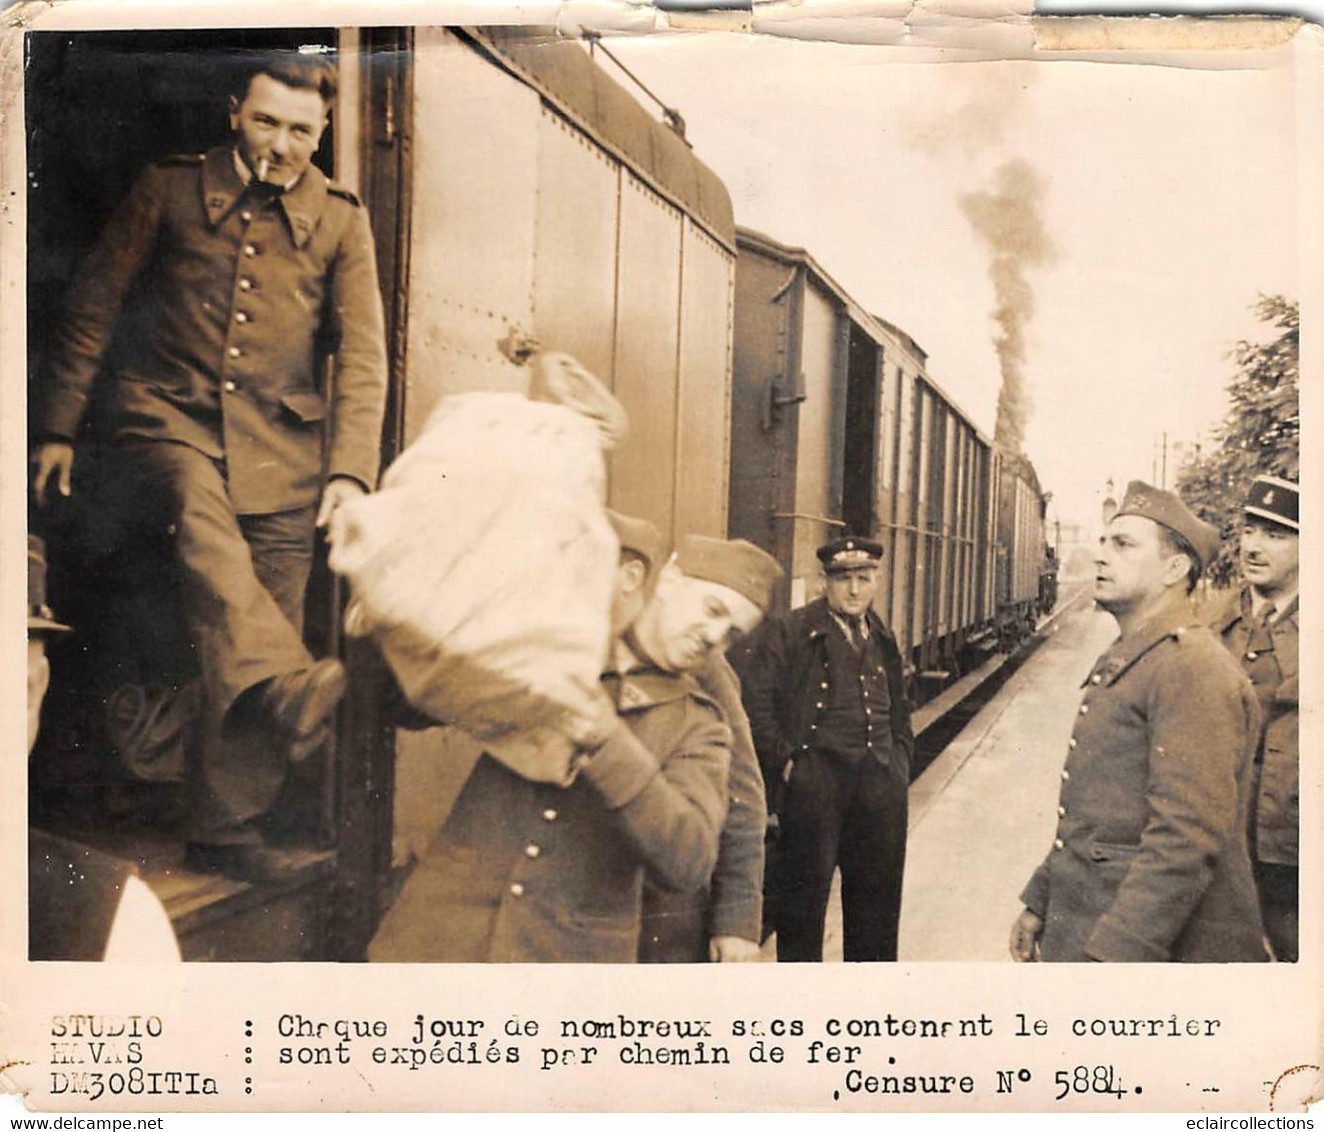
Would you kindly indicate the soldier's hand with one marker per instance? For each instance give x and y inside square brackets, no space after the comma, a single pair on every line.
[732,949]
[1025,933]
[53,458]
[338,490]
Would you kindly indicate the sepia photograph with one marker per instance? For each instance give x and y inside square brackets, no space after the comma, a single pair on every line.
[646,491]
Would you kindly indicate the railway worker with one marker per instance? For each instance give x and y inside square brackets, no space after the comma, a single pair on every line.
[83,905]
[720,922]
[527,871]
[1149,861]
[827,705]
[249,265]
[1259,625]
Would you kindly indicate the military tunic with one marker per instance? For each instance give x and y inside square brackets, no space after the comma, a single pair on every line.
[527,872]
[1268,653]
[1149,861]
[215,304]
[677,926]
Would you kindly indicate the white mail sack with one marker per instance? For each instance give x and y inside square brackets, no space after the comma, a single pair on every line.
[484,570]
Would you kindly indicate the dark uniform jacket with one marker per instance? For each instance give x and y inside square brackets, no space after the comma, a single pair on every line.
[237,301]
[1149,861]
[784,674]
[529,872]
[678,926]
[1269,656]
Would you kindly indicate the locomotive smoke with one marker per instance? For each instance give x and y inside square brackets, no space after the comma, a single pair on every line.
[1008,219]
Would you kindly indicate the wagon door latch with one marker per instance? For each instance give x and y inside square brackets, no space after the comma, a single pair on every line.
[780,394]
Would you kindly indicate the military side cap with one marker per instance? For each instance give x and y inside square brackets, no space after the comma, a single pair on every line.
[1166,509]
[735,563]
[638,536]
[1275,500]
[40,617]
[849,553]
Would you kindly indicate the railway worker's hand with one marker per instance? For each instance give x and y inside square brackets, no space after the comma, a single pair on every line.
[732,949]
[52,460]
[1025,933]
[339,490]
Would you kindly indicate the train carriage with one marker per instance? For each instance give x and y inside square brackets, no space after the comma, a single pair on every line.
[838,426]
[519,196]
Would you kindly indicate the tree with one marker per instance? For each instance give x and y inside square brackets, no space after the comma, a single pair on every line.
[1261,433]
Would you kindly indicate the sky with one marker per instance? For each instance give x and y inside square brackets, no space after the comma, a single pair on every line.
[1166,203]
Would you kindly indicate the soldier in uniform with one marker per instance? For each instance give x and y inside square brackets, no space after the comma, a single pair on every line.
[719,922]
[1259,625]
[827,705]
[1149,861]
[527,871]
[249,266]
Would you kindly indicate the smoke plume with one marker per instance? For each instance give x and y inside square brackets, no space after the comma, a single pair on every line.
[1008,219]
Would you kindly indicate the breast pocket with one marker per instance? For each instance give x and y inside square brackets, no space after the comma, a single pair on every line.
[305,406]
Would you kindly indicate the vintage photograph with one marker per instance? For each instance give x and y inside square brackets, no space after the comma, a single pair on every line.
[558,493]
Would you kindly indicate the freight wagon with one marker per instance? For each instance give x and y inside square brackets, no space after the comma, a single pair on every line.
[518,196]
[838,427]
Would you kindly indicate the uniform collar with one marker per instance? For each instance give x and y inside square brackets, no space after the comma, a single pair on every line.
[819,617]
[1172,621]
[222,188]
[646,687]
[1285,606]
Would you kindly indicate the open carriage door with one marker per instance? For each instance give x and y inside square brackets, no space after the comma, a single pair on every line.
[373,157]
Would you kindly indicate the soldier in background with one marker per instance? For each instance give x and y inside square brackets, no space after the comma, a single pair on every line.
[1149,860]
[1260,627]
[827,705]
[83,905]
[223,280]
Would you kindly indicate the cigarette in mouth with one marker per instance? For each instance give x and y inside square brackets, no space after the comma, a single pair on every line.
[262,165]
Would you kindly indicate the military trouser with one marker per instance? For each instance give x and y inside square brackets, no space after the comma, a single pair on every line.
[244,580]
[852,815]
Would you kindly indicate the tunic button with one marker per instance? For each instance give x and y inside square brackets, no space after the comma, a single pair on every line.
[517,889]
[245,216]
[250,249]
[1084,709]
[1059,844]
[813,727]
[242,316]
[1251,655]
[1072,742]
[549,815]
[245,284]
[1061,811]
[532,850]
[1066,774]
[823,685]
[233,351]
[819,706]
[230,387]
[1095,678]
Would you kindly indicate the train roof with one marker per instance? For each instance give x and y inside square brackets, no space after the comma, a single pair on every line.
[877,327]
[562,72]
